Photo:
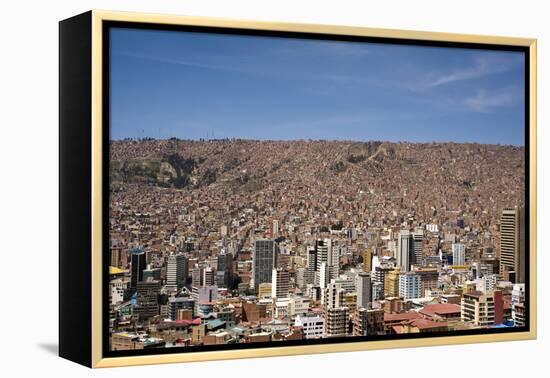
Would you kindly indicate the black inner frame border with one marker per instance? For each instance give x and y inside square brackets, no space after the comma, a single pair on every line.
[106,27]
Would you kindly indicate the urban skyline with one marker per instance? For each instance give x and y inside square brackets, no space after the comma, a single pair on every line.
[288,211]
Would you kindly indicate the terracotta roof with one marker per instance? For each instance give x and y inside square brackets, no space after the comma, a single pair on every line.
[421,324]
[440,309]
[426,324]
[401,317]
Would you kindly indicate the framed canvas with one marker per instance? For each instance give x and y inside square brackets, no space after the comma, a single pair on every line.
[234,189]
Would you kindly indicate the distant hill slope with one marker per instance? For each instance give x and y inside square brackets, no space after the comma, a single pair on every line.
[181,164]
[405,177]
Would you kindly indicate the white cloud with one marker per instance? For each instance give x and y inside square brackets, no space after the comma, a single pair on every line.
[485,65]
[485,101]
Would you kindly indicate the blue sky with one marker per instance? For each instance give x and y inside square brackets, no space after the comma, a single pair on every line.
[193,85]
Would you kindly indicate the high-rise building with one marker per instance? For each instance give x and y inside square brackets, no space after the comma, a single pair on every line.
[336,322]
[323,275]
[377,291]
[512,245]
[405,251]
[209,276]
[367,259]
[224,273]
[147,304]
[265,259]
[364,289]
[333,295]
[459,253]
[137,266]
[197,277]
[418,245]
[115,256]
[328,253]
[280,284]
[410,285]
[311,267]
[176,267]
[379,277]
[336,314]
[391,283]
[478,308]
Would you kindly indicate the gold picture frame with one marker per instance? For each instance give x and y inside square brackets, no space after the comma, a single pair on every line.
[92,25]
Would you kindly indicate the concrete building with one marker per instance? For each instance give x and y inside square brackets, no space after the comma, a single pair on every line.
[459,253]
[313,326]
[410,285]
[478,308]
[224,270]
[299,305]
[147,304]
[328,253]
[176,270]
[204,295]
[418,245]
[177,304]
[208,276]
[364,289]
[280,283]
[335,313]
[368,322]
[487,283]
[512,245]
[117,287]
[367,259]
[265,260]
[518,315]
[405,251]
[336,322]
[137,265]
[391,283]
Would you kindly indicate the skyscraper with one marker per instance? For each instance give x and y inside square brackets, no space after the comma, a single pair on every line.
[418,240]
[512,244]
[404,250]
[311,267]
[265,259]
[364,289]
[280,284]
[176,270]
[367,259]
[329,253]
[224,273]
[147,304]
[410,285]
[459,254]
[137,266]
